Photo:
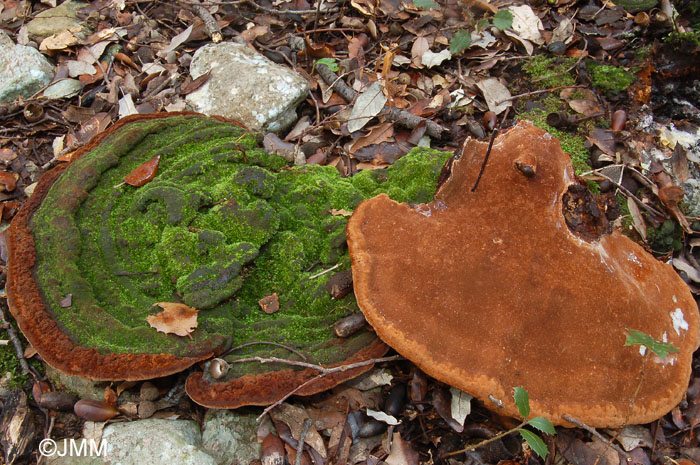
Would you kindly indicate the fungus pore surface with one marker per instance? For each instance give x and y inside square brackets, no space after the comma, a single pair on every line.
[490,290]
[221,225]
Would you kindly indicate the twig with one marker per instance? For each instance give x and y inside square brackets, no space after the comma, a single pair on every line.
[595,433]
[134,273]
[277,344]
[211,27]
[542,91]
[488,151]
[324,271]
[486,441]
[626,191]
[323,373]
[19,351]
[401,117]
[280,12]
[302,438]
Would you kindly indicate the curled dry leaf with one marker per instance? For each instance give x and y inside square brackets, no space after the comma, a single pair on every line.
[8,181]
[144,173]
[176,318]
[269,304]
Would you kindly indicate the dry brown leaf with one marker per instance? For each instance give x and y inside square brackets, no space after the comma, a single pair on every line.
[8,181]
[585,107]
[378,134]
[176,318]
[294,418]
[340,212]
[110,396]
[29,351]
[144,173]
[270,304]
[401,452]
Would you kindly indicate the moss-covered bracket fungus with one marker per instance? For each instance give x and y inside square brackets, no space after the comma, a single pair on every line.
[490,290]
[221,226]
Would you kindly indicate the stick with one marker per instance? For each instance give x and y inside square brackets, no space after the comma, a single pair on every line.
[211,27]
[323,373]
[302,437]
[401,117]
[19,351]
[303,357]
[595,433]
[488,151]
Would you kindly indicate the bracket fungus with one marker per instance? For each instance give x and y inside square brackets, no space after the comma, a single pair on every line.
[217,226]
[491,290]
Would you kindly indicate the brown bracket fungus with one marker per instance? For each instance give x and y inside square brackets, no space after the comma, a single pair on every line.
[490,290]
[217,226]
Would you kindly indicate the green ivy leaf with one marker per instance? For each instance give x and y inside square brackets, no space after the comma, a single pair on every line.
[522,401]
[460,41]
[425,4]
[535,442]
[542,424]
[503,19]
[662,349]
[330,62]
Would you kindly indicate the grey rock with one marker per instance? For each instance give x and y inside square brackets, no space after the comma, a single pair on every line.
[55,20]
[691,200]
[83,388]
[23,70]
[246,86]
[230,436]
[156,442]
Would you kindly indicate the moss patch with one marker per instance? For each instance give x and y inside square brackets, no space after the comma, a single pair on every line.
[609,78]
[550,72]
[222,225]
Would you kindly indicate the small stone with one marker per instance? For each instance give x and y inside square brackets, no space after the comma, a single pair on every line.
[56,20]
[246,86]
[230,437]
[146,409]
[557,48]
[24,70]
[148,391]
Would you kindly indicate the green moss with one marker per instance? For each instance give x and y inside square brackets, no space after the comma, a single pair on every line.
[550,72]
[666,238]
[609,78]
[684,41]
[222,225]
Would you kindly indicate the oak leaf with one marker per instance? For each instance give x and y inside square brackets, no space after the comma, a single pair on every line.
[176,318]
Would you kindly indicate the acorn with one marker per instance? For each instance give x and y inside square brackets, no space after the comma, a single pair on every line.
[218,368]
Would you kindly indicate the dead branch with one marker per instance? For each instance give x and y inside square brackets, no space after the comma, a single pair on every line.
[595,433]
[211,27]
[401,117]
[323,372]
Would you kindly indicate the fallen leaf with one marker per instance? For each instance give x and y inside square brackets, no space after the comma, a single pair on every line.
[376,135]
[67,301]
[633,436]
[110,396]
[430,59]
[269,304]
[176,318]
[8,181]
[29,351]
[196,84]
[294,418]
[144,173]
[368,105]
[420,46]
[340,212]
[383,417]
[176,41]
[526,23]
[401,452]
[585,107]
[7,155]
[60,41]
[495,94]
[126,106]
[637,218]
[461,405]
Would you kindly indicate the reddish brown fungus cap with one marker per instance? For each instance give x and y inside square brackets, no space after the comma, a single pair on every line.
[490,290]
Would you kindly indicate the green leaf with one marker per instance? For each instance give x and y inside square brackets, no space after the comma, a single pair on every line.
[535,442]
[503,19]
[330,62]
[542,424]
[522,401]
[461,40]
[662,349]
[482,24]
[425,4]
